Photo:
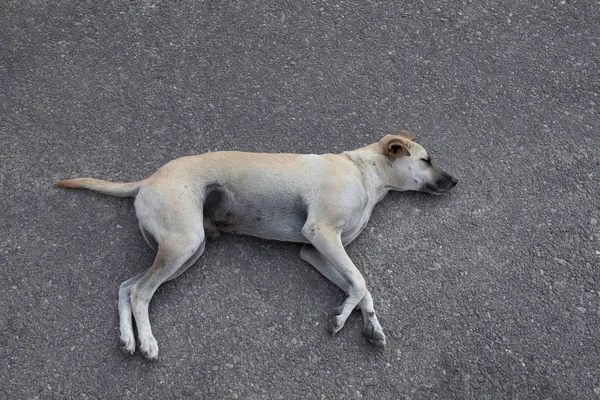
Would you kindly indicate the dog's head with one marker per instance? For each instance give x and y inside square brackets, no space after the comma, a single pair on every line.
[412,166]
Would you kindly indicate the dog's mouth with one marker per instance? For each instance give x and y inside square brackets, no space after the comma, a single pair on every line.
[440,186]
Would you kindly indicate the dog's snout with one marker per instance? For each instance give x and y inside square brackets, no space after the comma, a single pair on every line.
[446,183]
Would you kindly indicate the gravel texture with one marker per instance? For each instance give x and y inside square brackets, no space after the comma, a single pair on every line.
[490,292]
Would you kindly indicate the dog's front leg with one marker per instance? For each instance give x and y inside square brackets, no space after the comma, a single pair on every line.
[327,240]
[372,330]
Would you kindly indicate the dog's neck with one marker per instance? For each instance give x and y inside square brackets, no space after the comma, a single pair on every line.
[376,168]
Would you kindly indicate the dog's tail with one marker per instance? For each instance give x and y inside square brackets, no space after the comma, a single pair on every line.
[121,189]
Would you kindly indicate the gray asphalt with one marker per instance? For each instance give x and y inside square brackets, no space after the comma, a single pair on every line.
[490,292]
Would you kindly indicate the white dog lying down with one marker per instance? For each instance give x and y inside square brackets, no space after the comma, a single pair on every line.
[323,201]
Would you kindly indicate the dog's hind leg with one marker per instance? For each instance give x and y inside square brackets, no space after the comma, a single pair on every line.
[171,257]
[189,262]
[372,329]
[149,238]
[127,338]
[172,218]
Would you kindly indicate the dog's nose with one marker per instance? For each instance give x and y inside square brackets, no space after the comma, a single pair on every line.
[453,180]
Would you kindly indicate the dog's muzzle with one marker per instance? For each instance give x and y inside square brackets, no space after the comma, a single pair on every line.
[442,184]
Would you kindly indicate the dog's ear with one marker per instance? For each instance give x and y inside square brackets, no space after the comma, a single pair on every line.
[395,145]
[407,134]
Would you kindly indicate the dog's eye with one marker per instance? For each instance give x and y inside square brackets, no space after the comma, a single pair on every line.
[427,160]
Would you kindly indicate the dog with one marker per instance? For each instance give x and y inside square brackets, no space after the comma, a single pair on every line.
[323,201]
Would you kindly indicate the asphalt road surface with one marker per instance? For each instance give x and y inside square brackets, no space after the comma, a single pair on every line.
[490,292]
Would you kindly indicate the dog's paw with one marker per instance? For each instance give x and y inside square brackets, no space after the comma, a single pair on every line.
[374,335]
[335,322]
[127,344]
[149,348]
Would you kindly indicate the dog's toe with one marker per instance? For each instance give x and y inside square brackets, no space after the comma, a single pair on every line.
[375,337]
[335,322]
[127,344]
[149,348]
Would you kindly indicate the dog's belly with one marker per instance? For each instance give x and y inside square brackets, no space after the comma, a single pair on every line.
[276,216]
[286,233]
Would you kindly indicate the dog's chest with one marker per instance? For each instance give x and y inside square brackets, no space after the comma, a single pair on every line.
[354,228]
